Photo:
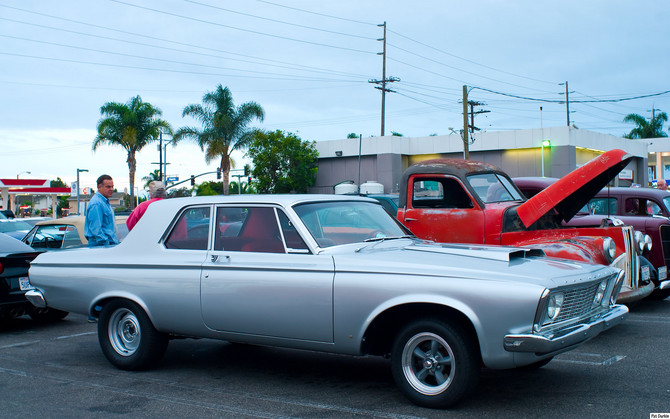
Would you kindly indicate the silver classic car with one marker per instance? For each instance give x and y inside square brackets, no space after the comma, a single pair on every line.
[328,273]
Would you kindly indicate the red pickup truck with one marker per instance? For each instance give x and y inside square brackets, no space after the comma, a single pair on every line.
[465,201]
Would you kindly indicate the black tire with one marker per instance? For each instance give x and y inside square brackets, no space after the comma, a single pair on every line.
[435,364]
[536,365]
[658,295]
[47,315]
[128,338]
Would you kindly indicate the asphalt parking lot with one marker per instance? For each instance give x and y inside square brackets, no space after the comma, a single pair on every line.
[58,370]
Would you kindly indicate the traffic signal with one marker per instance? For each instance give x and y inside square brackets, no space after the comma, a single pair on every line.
[218,173]
[249,179]
[192,180]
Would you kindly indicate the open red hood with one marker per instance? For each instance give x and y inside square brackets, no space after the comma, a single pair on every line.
[573,191]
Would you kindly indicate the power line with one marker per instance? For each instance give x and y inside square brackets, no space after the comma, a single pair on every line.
[286,38]
[263,61]
[573,101]
[279,21]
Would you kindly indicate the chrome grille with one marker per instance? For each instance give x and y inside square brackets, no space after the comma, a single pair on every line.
[665,243]
[631,268]
[577,302]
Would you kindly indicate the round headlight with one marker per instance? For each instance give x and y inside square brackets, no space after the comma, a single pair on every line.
[554,306]
[639,241]
[648,242]
[609,248]
[600,293]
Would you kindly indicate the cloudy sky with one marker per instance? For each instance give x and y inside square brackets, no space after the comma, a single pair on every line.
[309,65]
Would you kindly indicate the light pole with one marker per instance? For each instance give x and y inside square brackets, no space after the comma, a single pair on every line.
[17,176]
[543,144]
[165,162]
[79,170]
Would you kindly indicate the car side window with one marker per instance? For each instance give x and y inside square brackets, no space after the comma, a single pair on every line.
[633,207]
[248,229]
[599,206]
[49,236]
[442,193]
[294,243]
[191,231]
[653,208]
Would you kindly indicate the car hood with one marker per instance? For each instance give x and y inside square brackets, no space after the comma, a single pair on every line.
[570,193]
[464,261]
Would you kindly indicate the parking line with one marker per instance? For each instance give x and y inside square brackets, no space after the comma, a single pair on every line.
[20,344]
[77,335]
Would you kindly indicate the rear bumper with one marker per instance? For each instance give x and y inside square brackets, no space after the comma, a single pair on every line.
[36,297]
[567,338]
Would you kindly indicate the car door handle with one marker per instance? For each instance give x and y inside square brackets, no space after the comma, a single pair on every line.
[220,259]
[410,219]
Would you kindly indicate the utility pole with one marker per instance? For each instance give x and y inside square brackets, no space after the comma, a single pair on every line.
[567,102]
[160,155]
[465,136]
[472,104]
[384,80]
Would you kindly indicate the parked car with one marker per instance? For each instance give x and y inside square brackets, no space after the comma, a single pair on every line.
[34,220]
[466,201]
[15,258]
[66,232]
[328,273]
[14,228]
[645,209]
[388,201]
[7,214]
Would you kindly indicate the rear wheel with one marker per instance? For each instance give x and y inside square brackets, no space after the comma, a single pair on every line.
[434,364]
[128,338]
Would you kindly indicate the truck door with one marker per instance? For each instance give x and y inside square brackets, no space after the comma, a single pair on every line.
[440,209]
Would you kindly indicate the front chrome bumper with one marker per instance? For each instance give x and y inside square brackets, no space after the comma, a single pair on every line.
[575,335]
[664,284]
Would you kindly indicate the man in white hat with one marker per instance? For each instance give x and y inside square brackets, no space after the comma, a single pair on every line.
[156,192]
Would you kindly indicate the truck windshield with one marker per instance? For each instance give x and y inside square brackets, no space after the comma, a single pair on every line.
[492,187]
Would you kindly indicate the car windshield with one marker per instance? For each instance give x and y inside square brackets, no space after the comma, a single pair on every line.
[344,222]
[492,187]
[666,203]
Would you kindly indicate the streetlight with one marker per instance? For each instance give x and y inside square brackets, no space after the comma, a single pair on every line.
[545,143]
[79,170]
[17,176]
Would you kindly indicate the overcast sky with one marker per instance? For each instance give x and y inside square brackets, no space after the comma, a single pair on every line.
[309,63]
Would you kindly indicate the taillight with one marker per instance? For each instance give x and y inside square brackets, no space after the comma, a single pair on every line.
[2,268]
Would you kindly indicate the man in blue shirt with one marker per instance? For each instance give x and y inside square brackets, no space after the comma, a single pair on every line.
[99,227]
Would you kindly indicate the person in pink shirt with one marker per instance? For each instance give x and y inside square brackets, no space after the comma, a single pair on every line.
[156,192]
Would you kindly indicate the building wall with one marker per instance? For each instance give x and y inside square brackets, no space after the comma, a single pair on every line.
[383,159]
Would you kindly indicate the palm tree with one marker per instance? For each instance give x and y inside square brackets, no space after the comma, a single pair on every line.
[224,127]
[646,129]
[155,175]
[131,125]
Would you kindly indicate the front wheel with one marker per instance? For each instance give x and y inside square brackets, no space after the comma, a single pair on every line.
[434,364]
[128,338]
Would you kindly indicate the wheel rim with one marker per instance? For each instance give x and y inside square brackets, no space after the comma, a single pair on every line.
[428,363]
[124,332]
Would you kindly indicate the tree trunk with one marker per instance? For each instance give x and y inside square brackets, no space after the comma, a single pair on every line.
[132,166]
[225,168]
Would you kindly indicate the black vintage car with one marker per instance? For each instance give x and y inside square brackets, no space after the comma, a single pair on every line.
[15,258]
